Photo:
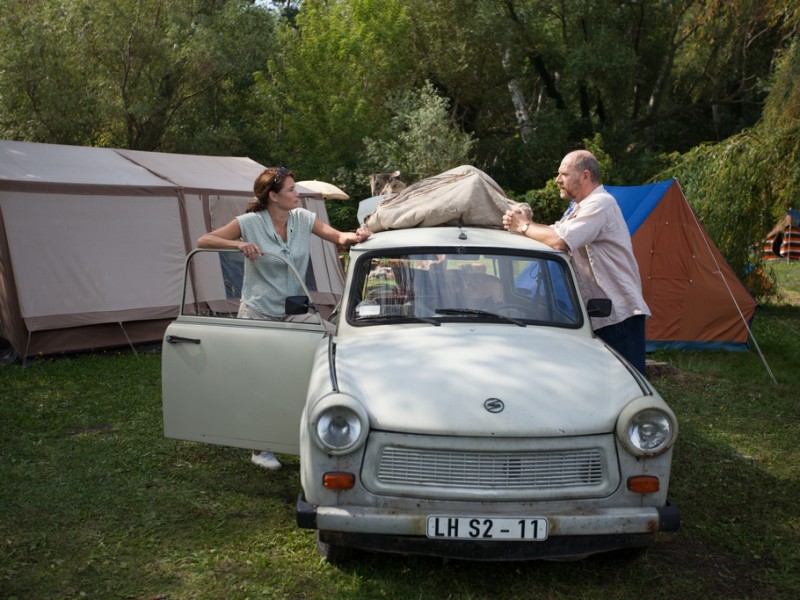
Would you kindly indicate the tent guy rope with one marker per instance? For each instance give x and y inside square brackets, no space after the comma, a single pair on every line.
[735,303]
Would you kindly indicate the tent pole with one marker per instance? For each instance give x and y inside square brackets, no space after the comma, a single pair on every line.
[125,333]
[25,355]
[787,241]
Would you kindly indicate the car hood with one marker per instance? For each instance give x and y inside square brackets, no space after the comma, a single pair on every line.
[437,380]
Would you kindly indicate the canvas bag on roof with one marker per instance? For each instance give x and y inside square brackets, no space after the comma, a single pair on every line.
[461,196]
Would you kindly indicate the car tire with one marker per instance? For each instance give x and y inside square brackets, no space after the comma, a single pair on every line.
[333,554]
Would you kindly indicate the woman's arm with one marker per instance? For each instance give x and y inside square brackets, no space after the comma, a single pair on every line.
[229,237]
[326,232]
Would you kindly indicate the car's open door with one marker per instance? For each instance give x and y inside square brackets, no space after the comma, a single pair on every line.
[230,381]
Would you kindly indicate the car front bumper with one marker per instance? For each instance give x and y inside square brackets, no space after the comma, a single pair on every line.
[570,535]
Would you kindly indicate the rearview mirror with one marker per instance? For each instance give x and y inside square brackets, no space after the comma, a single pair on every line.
[598,307]
[296,305]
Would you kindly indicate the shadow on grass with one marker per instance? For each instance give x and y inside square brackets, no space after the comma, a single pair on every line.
[96,503]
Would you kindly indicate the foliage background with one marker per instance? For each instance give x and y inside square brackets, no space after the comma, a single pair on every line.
[337,89]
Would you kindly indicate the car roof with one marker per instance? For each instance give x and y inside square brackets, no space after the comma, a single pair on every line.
[449,236]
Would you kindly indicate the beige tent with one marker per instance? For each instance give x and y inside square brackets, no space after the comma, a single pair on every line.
[93,242]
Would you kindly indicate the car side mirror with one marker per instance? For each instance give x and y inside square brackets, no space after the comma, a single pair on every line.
[296,305]
[598,307]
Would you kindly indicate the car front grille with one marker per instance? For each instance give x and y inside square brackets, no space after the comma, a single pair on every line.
[490,468]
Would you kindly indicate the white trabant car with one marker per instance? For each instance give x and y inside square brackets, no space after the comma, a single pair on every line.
[462,407]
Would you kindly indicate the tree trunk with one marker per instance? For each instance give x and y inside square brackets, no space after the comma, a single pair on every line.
[526,129]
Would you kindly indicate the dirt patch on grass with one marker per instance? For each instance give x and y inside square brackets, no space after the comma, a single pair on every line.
[659,369]
[716,574]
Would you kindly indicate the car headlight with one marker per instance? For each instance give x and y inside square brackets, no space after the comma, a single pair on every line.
[339,424]
[647,428]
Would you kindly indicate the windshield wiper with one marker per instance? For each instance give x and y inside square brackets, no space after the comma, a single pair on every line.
[479,313]
[412,318]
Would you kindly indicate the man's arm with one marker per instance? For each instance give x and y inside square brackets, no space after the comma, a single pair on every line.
[516,222]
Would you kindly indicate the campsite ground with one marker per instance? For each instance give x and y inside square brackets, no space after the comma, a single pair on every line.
[95,503]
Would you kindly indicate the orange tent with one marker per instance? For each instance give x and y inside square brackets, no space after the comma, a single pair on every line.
[696,299]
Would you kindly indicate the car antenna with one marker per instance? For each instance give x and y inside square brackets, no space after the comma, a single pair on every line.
[461,234]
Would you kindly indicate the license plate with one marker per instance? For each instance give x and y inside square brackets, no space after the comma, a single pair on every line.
[486,528]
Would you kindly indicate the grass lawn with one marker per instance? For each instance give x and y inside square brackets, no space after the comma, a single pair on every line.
[96,503]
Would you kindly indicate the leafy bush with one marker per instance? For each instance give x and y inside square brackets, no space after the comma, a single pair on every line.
[423,139]
[546,203]
[742,186]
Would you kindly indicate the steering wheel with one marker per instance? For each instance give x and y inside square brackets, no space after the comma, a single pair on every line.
[513,309]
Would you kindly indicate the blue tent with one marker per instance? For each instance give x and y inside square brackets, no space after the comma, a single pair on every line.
[638,201]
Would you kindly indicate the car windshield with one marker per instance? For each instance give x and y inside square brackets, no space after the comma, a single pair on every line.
[441,286]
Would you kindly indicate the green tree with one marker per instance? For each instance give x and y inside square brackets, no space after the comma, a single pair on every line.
[528,80]
[227,116]
[47,87]
[646,75]
[326,90]
[422,139]
[741,186]
[138,74]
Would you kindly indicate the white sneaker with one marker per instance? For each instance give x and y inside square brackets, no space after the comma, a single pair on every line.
[265,459]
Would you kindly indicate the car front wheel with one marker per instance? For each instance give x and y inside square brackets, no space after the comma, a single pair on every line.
[332,553]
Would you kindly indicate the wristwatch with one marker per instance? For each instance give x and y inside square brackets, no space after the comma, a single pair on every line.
[524,228]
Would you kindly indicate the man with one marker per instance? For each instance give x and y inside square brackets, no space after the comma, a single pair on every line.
[595,234]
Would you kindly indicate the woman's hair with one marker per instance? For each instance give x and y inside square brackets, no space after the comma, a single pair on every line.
[270,180]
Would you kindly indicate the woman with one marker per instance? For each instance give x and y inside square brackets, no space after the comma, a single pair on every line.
[273,223]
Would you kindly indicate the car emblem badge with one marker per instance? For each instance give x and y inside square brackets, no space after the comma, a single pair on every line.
[494,405]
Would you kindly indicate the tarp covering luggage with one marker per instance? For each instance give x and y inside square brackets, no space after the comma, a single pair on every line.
[461,196]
